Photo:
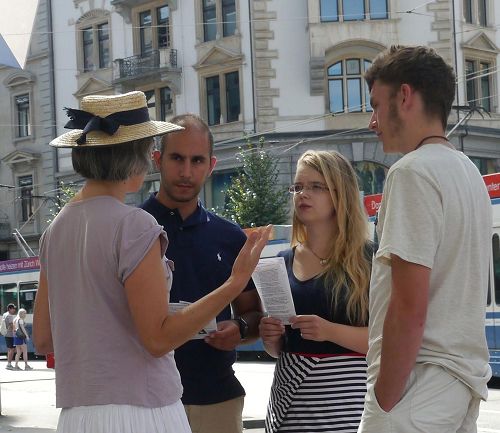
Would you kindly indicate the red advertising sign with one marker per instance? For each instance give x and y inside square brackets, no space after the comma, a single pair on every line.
[372,203]
[492,182]
[20,265]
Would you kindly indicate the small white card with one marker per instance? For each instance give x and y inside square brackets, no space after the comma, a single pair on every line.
[210,327]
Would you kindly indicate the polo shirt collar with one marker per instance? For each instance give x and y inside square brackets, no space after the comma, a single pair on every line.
[199,216]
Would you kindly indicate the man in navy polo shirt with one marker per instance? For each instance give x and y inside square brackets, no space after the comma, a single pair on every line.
[203,247]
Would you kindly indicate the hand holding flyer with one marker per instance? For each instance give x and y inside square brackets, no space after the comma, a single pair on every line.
[271,279]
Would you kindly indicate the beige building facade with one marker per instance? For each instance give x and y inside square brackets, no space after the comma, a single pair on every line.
[288,70]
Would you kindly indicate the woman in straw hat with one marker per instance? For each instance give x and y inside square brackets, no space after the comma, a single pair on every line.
[102,302]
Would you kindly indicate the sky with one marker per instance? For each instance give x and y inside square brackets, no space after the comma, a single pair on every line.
[16,23]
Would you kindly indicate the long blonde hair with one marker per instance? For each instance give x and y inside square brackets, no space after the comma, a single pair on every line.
[348,265]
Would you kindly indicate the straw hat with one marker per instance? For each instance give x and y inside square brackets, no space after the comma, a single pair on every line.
[108,120]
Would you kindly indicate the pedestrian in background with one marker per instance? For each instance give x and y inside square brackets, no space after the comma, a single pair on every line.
[102,302]
[21,338]
[427,359]
[320,377]
[9,317]
[203,247]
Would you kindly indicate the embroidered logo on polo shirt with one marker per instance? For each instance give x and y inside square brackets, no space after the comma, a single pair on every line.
[219,258]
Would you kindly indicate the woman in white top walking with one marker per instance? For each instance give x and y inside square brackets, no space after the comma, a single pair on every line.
[20,340]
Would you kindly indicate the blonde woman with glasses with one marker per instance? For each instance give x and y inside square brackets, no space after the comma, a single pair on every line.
[320,377]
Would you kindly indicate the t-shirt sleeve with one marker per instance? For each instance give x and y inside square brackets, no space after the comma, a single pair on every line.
[136,234]
[412,218]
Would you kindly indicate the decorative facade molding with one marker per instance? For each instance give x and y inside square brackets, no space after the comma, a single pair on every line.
[19,78]
[218,56]
[481,42]
[92,15]
[94,86]
[19,160]
[266,111]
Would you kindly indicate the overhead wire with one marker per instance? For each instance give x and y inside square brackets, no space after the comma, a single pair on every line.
[345,17]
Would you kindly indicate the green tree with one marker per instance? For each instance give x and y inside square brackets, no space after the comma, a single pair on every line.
[66,193]
[254,197]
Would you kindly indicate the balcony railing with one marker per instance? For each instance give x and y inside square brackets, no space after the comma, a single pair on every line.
[145,64]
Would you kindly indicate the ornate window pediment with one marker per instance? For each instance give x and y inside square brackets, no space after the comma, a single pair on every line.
[20,158]
[19,78]
[481,42]
[94,86]
[92,15]
[219,56]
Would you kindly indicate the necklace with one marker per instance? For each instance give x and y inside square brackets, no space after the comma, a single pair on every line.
[322,261]
[430,136]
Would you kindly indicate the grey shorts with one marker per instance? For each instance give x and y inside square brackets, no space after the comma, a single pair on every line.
[433,401]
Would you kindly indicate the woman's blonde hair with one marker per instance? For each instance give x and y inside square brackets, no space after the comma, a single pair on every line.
[348,266]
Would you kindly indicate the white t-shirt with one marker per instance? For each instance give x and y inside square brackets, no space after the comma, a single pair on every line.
[436,212]
[9,320]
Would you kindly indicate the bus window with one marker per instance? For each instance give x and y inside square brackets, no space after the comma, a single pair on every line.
[8,295]
[496,267]
[488,301]
[27,293]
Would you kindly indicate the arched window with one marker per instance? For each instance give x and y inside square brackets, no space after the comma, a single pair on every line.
[347,89]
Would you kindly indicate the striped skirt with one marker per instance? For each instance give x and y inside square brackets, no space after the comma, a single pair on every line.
[317,394]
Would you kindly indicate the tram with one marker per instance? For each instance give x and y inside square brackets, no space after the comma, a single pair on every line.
[18,285]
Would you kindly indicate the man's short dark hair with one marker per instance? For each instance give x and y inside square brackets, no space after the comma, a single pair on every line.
[116,162]
[189,120]
[11,306]
[423,69]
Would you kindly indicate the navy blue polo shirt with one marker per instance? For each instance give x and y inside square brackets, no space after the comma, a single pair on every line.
[203,248]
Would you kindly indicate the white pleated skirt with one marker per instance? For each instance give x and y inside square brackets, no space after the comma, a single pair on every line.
[114,418]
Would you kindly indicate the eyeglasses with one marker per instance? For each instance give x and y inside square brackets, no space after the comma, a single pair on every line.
[314,188]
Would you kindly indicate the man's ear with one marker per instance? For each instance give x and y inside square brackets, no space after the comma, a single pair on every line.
[407,94]
[213,161]
[157,159]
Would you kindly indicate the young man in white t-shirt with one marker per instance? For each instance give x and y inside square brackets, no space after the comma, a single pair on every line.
[9,317]
[428,359]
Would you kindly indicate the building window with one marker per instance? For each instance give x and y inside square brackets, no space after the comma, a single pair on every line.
[476,12]
[160,103]
[95,47]
[478,83]
[25,183]
[209,20]
[146,32]
[228,17]
[232,96]
[347,89]
[88,51]
[154,29]
[103,39]
[219,17]
[163,19]
[23,115]
[353,10]
[213,100]
[223,107]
